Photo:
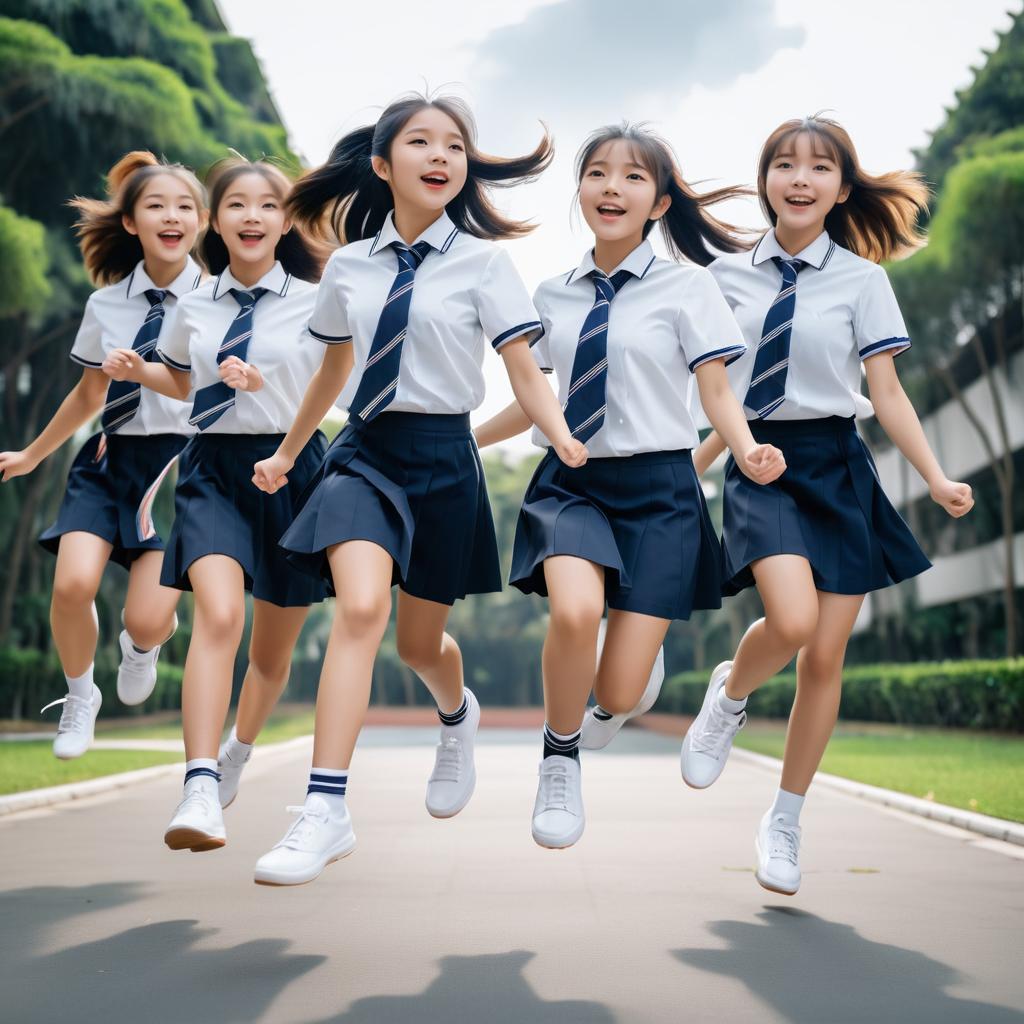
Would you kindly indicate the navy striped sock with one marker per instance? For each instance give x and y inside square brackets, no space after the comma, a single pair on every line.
[329,781]
[564,746]
[456,716]
[201,767]
[601,715]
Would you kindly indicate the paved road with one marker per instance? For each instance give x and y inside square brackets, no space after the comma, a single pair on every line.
[654,916]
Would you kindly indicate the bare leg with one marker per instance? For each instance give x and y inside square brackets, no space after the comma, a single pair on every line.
[819,680]
[362,581]
[148,607]
[428,650]
[630,648]
[81,559]
[219,588]
[786,586]
[275,631]
[576,600]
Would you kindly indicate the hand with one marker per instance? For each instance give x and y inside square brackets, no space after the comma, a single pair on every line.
[763,463]
[122,364]
[270,475]
[239,375]
[956,498]
[572,452]
[14,464]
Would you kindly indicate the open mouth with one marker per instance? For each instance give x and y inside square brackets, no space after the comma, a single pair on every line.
[251,237]
[170,237]
[611,210]
[434,180]
[799,201]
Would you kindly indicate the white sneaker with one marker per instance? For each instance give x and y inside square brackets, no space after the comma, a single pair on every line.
[778,854]
[198,824]
[230,774]
[77,726]
[453,779]
[558,819]
[709,739]
[595,733]
[317,839]
[136,675]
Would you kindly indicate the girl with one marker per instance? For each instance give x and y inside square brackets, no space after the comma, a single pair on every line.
[813,305]
[238,343]
[137,243]
[404,310]
[625,329]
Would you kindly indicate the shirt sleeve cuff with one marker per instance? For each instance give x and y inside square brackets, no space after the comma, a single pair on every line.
[85,362]
[534,330]
[731,353]
[894,345]
[329,339]
[173,363]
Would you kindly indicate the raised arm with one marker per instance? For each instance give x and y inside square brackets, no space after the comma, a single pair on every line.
[124,364]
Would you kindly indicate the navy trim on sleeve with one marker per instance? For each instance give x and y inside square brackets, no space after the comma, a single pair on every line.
[173,363]
[515,332]
[732,353]
[881,346]
[85,362]
[329,339]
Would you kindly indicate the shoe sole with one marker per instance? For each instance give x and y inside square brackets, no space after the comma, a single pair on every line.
[280,883]
[546,845]
[192,839]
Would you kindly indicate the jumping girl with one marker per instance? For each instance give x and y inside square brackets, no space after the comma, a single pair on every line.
[814,306]
[137,244]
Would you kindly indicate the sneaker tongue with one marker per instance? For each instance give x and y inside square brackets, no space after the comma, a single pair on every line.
[316,804]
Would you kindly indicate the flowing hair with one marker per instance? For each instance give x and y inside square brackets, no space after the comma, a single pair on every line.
[109,250]
[879,218]
[344,199]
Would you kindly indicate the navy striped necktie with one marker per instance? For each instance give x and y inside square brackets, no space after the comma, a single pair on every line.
[212,401]
[586,403]
[767,389]
[125,396]
[379,383]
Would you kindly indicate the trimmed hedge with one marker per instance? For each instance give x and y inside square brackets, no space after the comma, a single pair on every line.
[960,694]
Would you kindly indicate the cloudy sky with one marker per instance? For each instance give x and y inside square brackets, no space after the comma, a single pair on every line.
[714,77]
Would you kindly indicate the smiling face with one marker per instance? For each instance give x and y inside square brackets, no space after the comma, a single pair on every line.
[427,165]
[250,218]
[803,182]
[618,195]
[166,218]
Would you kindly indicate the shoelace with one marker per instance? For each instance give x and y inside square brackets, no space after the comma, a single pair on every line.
[554,783]
[199,796]
[783,841]
[717,730]
[310,819]
[76,713]
[448,764]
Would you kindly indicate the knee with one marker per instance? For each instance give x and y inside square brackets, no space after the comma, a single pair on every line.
[419,653]
[362,615]
[820,667]
[795,627]
[71,591]
[577,621]
[143,630]
[220,622]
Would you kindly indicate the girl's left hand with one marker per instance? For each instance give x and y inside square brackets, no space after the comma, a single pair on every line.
[956,498]
[121,364]
[239,375]
[763,463]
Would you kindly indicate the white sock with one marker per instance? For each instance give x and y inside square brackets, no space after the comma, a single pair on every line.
[788,805]
[727,704]
[236,749]
[330,785]
[81,686]
[205,774]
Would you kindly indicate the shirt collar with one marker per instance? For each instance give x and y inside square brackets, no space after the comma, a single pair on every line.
[439,236]
[139,281]
[817,254]
[274,280]
[638,262]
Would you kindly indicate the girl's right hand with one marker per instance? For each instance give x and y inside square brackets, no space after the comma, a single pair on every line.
[14,464]
[763,463]
[121,364]
[270,475]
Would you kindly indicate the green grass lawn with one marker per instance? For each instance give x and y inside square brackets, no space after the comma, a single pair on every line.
[976,771]
[285,725]
[30,764]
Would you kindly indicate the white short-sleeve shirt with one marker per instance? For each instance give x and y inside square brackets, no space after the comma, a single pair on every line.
[286,356]
[112,318]
[663,323]
[845,312]
[466,292]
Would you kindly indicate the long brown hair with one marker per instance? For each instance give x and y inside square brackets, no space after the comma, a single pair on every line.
[109,251]
[298,254]
[345,198]
[690,231]
[879,218]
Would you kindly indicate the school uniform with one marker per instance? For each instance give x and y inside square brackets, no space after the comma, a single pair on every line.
[623,347]
[115,477]
[810,321]
[405,472]
[218,509]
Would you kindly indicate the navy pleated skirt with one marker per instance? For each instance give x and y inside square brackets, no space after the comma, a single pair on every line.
[828,507]
[110,492]
[220,511]
[642,517]
[412,483]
